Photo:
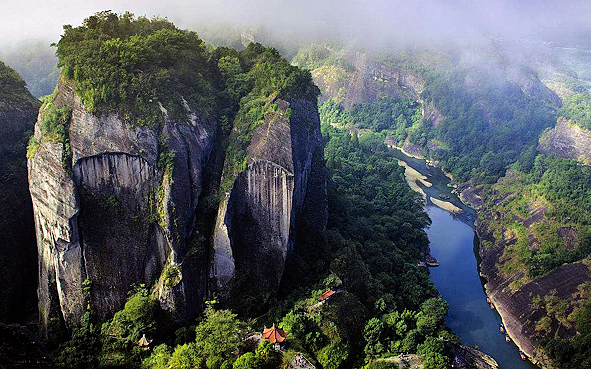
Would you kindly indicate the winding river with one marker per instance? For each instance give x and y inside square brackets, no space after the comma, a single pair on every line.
[455,245]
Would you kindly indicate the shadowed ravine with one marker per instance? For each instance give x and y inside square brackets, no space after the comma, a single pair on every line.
[453,242]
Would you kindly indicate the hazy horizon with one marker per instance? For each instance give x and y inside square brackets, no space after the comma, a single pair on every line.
[376,23]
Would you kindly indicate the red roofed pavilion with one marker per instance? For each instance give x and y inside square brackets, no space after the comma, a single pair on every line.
[274,334]
[326,295]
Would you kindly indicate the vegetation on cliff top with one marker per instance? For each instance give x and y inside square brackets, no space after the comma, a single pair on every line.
[255,77]
[131,65]
[577,109]
[13,91]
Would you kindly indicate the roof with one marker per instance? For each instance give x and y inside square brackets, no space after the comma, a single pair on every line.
[326,295]
[144,341]
[274,334]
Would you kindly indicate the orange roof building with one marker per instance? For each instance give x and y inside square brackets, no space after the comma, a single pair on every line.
[144,342]
[326,295]
[274,334]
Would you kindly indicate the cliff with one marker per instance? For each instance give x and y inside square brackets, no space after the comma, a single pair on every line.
[114,207]
[567,140]
[367,80]
[257,221]
[466,357]
[18,258]
[536,299]
[523,308]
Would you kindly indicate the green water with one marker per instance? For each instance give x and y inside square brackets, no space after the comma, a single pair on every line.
[454,244]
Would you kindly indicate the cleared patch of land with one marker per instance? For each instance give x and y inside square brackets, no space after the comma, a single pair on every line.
[406,361]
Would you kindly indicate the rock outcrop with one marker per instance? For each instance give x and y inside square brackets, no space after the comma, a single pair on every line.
[466,357]
[121,216]
[370,80]
[522,308]
[256,222]
[18,256]
[567,140]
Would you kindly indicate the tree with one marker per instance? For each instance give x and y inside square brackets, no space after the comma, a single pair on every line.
[431,345]
[331,357]
[372,333]
[136,318]
[269,358]
[426,324]
[382,364]
[247,361]
[410,342]
[159,358]
[185,356]
[218,337]
[435,361]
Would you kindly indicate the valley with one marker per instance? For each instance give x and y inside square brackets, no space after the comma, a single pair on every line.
[373,206]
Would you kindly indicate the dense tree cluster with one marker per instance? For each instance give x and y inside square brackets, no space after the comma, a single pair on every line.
[395,116]
[132,65]
[577,109]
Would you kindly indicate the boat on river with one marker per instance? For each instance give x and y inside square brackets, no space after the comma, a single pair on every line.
[507,338]
[431,261]
[502,328]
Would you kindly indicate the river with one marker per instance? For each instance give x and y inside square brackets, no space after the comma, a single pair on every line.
[455,245]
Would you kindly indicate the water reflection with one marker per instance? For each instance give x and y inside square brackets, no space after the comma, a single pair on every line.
[470,317]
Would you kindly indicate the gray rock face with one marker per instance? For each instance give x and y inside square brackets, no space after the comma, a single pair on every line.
[568,141]
[255,228]
[466,357]
[118,219]
[373,79]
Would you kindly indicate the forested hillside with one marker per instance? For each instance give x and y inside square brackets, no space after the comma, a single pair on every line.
[36,62]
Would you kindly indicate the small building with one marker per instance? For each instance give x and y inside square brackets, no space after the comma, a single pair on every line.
[274,335]
[144,343]
[326,296]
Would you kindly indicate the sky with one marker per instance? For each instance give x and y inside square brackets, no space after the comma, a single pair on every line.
[372,21]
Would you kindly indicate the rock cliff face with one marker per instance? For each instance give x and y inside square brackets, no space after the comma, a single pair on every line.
[118,217]
[255,228]
[18,258]
[568,141]
[522,305]
[369,80]
[116,206]
[466,357]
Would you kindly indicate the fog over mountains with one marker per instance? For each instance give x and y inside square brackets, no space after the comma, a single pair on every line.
[374,23]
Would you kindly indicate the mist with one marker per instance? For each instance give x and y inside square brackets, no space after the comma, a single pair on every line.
[373,23]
